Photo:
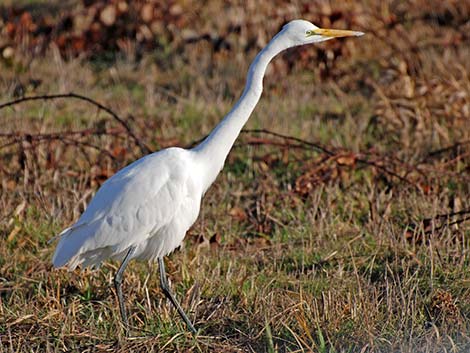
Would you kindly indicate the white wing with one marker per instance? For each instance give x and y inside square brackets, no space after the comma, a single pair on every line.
[131,206]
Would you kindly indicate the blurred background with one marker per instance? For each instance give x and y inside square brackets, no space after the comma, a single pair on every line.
[341,226]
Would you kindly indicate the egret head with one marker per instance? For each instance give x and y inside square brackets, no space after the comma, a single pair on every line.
[302,32]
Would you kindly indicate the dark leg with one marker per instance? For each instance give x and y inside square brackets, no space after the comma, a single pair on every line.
[169,295]
[117,285]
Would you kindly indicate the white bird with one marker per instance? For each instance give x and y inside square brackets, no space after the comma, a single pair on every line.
[144,210]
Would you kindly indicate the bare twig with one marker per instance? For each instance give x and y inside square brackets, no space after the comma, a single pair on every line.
[326,151]
[438,222]
[90,145]
[289,141]
[446,149]
[143,147]
[291,138]
[387,171]
[65,137]
[18,136]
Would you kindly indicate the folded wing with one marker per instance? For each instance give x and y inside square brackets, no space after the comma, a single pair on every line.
[128,208]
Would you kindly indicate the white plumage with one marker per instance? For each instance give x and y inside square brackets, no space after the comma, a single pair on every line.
[144,210]
[150,204]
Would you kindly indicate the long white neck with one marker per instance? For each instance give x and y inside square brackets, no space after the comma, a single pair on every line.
[213,151]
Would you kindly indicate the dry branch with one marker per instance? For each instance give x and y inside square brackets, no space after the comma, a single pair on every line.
[389,165]
[436,223]
[290,138]
[329,151]
[143,147]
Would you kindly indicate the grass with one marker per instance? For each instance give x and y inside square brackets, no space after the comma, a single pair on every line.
[292,252]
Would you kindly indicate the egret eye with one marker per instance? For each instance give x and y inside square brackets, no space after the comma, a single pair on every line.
[310,33]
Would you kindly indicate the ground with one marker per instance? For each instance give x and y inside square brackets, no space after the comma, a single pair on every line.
[339,223]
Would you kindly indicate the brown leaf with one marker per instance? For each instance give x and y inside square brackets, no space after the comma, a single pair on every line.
[10,29]
[347,159]
[61,41]
[147,12]
[176,10]
[306,182]
[119,152]
[122,6]
[108,15]
[78,44]
[215,240]
[425,188]
[238,214]
[26,21]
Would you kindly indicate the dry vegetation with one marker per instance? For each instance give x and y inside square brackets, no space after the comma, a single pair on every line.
[353,237]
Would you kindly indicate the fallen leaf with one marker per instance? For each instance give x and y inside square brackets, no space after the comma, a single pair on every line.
[238,214]
[348,160]
[108,15]
[215,240]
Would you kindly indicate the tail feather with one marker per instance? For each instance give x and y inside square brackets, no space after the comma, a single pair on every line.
[70,243]
[77,246]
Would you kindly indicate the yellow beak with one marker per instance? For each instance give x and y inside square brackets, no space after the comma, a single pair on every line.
[334,33]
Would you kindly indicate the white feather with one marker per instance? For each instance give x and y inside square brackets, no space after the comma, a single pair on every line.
[149,204]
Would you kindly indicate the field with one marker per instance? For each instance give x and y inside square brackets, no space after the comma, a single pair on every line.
[340,222]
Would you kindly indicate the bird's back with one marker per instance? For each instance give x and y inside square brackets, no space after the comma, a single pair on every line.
[155,198]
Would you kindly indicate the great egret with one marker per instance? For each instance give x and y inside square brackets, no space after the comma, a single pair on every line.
[144,210]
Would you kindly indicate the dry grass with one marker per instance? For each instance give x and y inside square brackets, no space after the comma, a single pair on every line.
[293,251]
